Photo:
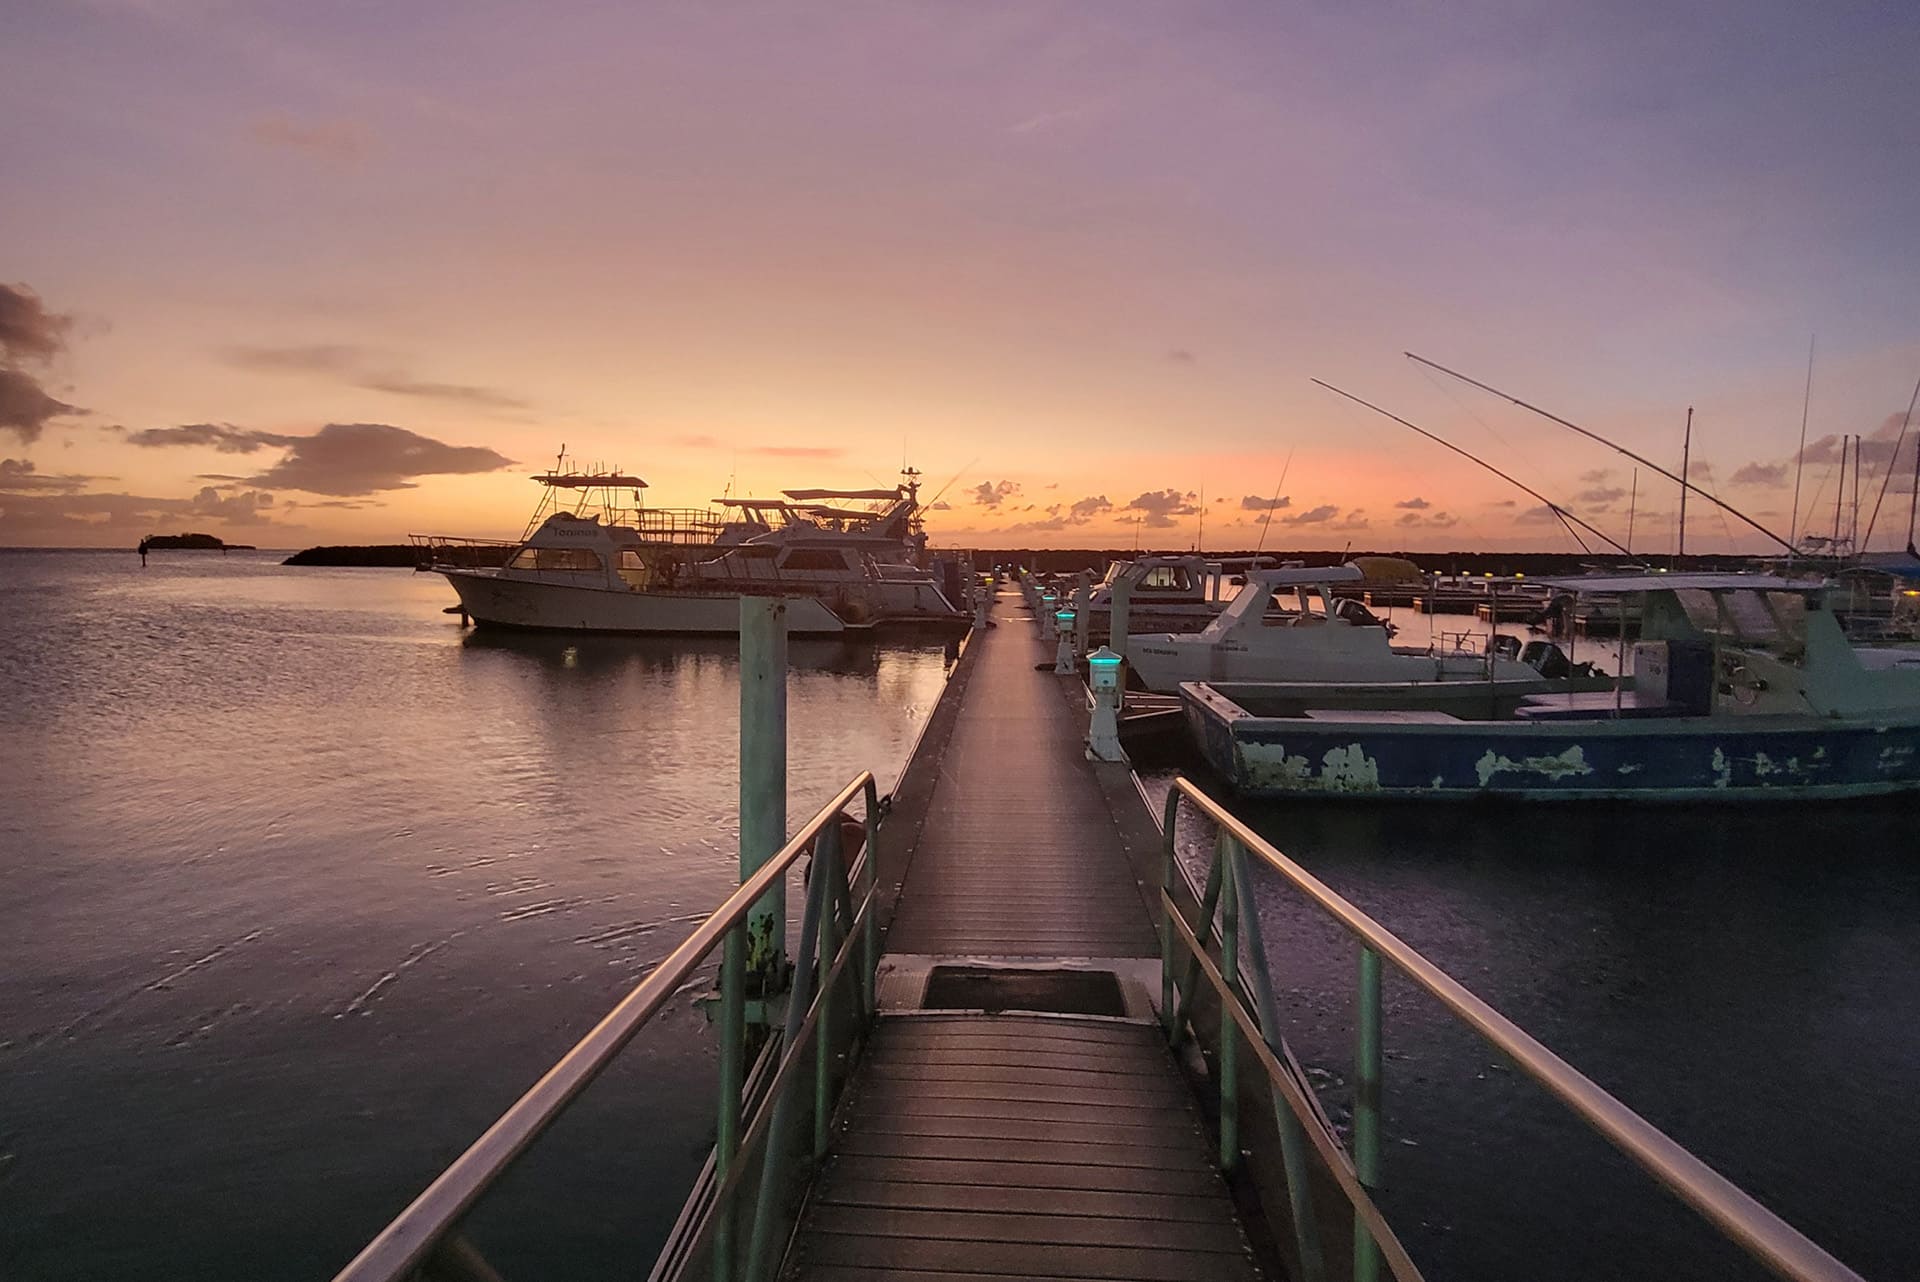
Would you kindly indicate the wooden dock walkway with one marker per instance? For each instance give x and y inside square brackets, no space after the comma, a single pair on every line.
[1026,1143]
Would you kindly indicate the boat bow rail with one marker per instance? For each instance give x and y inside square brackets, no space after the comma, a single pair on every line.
[1220,948]
[757,1154]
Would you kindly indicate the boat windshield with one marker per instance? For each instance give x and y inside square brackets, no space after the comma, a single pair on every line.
[1775,621]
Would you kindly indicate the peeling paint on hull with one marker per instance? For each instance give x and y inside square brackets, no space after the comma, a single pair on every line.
[1756,758]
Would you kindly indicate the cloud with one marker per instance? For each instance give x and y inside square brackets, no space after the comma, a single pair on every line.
[1162,506]
[337,141]
[1084,510]
[1256,503]
[1599,496]
[1354,520]
[1313,516]
[1599,476]
[29,334]
[1181,356]
[25,407]
[1542,515]
[224,437]
[88,518]
[368,370]
[1503,503]
[940,505]
[248,507]
[342,459]
[1426,520]
[701,442]
[351,459]
[1415,504]
[994,493]
[19,476]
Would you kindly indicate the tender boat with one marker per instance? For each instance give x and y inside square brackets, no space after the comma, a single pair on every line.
[598,567]
[1743,686]
[1256,638]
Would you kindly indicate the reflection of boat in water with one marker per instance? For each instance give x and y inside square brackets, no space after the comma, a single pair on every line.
[1744,686]
[597,567]
[1255,639]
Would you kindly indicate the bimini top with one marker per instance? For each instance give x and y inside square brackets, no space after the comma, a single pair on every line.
[1295,575]
[590,481]
[1703,581]
[805,496]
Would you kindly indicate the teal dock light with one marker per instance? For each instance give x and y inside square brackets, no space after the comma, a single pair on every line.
[1103,731]
[1045,611]
[1063,652]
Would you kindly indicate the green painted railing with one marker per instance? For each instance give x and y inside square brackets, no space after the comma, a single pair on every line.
[1191,951]
[758,1157]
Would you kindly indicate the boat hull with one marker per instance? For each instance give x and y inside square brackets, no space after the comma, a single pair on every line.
[1755,758]
[493,601]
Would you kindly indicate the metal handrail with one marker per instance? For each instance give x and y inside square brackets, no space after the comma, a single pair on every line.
[406,1242]
[1764,1236]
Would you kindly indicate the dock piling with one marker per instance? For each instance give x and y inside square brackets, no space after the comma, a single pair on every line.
[763,777]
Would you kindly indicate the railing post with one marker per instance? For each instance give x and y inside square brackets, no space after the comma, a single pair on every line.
[871,967]
[763,777]
[1229,1030]
[826,864]
[732,1076]
[1366,1109]
[1168,1012]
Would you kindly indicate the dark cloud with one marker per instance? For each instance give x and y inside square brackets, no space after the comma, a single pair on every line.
[351,459]
[29,334]
[1426,520]
[19,476]
[1260,503]
[1599,476]
[28,331]
[85,519]
[1503,503]
[1415,504]
[1602,495]
[1542,515]
[1160,507]
[993,493]
[224,437]
[1313,516]
[1354,520]
[1181,356]
[25,407]
[940,505]
[1084,510]
[369,370]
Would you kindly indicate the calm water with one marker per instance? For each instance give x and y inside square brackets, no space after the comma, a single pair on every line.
[1747,981]
[303,885]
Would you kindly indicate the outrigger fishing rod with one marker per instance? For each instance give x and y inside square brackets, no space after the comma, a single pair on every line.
[1619,449]
[1566,517]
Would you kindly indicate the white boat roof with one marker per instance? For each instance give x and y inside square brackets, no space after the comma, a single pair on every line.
[1294,575]
[1704,580]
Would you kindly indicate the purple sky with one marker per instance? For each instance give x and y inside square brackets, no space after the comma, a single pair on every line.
[1069,252]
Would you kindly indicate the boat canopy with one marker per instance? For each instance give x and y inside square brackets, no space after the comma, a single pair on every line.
[1295,575]
[805,496]
[1704,581]
[590,481]
[1901,565]
[1388,569]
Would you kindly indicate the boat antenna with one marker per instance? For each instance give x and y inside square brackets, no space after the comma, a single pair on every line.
[1618,449]
[1200,539]
[1892,459]
[1268,523]
[1833,548]
[1565,517]
[1686,452]
[1633,504]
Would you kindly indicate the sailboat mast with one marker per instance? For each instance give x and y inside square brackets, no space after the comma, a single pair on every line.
[1800,458]
[1839,492]
[1633,505]
[1686,453]
[1853,530]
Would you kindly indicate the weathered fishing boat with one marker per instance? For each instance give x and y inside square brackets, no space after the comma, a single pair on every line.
[1743,687]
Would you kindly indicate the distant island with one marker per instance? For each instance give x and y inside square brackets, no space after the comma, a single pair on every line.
[189,543]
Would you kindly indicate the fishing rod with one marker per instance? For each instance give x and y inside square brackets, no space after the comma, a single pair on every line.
[1892,459]
[1563,514]
[1268,523]
[1618,449]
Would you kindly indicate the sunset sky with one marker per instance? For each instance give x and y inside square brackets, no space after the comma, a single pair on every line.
[303,273]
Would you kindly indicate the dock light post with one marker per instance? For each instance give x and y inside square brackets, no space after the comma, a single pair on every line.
[1046,615]
[1063,653]
[1083,614]
[982,607]
[1103,732]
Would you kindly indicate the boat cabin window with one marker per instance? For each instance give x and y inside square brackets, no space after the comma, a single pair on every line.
[814,559]
[1165,578]
[754,552]
[562,559]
